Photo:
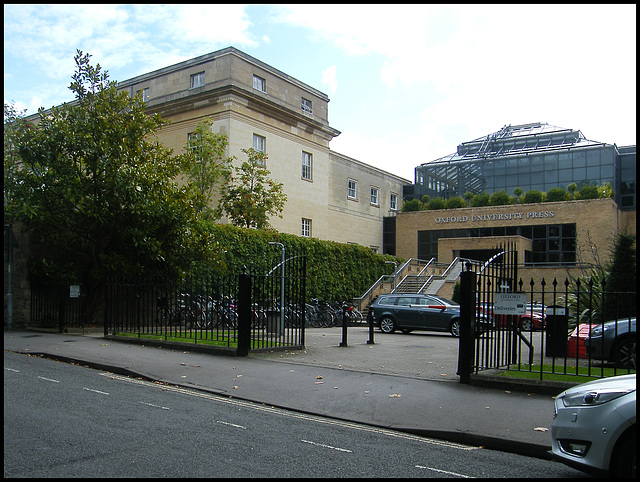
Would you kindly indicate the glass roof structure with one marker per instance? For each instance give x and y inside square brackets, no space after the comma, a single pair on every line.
[535,156]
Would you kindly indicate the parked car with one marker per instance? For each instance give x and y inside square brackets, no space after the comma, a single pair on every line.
[409,312]
[594,427]
[613,341]
[533,320]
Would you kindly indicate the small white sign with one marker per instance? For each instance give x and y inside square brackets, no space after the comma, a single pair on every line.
[74,291]
[510,304]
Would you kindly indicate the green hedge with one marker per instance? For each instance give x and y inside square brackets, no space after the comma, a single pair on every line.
[335,271]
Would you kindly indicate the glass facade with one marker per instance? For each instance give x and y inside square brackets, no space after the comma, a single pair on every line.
[552,243]
[532,157]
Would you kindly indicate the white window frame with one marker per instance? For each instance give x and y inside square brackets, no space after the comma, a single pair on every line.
[393,201]
[306,228]
[306,105]
[375,196]
[259,143]
[307,166]
[197,80]
[259,83]
[145,94]
[352,189]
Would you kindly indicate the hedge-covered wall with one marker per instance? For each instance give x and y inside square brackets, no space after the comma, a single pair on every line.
[335,271]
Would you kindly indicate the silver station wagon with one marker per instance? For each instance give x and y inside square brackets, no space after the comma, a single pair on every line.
[409,312]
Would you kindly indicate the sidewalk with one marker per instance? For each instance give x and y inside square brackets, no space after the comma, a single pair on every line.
[401,382]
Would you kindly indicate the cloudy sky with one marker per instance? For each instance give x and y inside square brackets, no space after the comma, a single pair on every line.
[407,83]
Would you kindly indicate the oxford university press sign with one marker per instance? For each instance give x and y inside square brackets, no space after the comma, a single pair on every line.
[495,217]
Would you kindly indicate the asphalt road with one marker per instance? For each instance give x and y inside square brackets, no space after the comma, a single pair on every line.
[63,420]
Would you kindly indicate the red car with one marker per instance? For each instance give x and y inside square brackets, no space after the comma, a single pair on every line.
[529,322]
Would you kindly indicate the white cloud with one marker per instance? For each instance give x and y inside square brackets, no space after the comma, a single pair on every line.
[329,78]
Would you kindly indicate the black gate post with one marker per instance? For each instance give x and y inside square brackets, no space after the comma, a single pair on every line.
[467,328]
[244,313]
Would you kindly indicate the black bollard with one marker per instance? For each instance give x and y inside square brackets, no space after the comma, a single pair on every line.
[345,320]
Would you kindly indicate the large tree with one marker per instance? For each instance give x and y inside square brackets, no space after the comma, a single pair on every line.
[206,152]
[249,197]
[94,186]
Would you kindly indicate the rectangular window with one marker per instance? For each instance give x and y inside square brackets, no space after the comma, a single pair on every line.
[393,202]
[259,143]
[306,228]
[306,165]
[374,195]
[306,106]
[145,94]
[197,80]
[352,189]
[259,83]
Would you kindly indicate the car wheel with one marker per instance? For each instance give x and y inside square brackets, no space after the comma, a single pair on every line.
[526,324]
[454,328]
[387,325]
[623,464]
[624,353]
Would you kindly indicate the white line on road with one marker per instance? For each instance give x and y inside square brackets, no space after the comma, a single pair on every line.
[455,474]
[95,391]
[12,370]
[156,406]
[49,379]
[326,446]
[231,424]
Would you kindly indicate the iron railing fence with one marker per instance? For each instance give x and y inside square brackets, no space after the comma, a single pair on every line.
[209,310]
[556,335]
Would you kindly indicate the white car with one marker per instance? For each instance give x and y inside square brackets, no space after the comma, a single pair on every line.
[594,426]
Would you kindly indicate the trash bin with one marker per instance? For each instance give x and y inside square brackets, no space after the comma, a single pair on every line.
[273,322]
[557,327]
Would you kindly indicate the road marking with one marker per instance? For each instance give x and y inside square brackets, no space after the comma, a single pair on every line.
[95,391]
[231,424]
[288,413]
[12,370]
[455,474]
[155,406]
[326,446]
[49,379]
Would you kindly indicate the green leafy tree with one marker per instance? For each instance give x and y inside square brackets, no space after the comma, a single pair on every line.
[205,151]
[250,197]
[499,198]
[456,202]
[99,192]
[436,203]
[620,286]
[412,205]
[588,191]
[557,194]
[572,189]
[478,200]
[518,192]
[532,197]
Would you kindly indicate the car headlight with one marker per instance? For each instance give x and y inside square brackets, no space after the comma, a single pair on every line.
[592,397]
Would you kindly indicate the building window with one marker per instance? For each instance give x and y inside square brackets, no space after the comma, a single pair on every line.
[306,165]
[393,202]
[259,143]
[259,83]
[145,94]
[193,143]
[375,196]
[306,106]
[352,189]
[197,80]
[306,228]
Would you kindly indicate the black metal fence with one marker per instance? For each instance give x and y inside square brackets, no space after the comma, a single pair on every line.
[57,307]
[239,312]
[565,327]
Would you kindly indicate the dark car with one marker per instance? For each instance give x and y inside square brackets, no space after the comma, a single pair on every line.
[409,312]
[613,341]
